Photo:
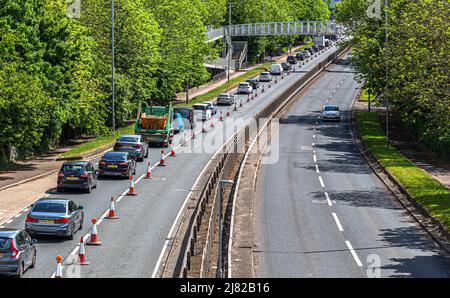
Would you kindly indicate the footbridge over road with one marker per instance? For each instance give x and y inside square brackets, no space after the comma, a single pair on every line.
[273,29]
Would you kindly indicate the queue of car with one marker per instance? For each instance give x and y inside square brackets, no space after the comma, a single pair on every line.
[63,217]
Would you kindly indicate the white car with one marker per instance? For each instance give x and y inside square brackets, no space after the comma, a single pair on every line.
[244,88]
[225,99]
[204,109]
[331,112]
[276,69]
[265,77]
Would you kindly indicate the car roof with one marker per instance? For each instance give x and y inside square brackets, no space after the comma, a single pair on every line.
[52,200]
[183,108]
[8,233]
[265,73]
[130,136]
[243,83]
[76,162]
[116,153]
[208,102]
[224,94]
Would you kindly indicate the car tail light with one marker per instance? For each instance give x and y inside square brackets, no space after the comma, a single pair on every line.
[62,220]
[123,165]
[31,219]
[84,175]
[14,250]
[102,163]
[138,146]
[60,174]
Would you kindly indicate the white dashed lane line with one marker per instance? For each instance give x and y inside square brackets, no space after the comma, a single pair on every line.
[321,182]
[355,256]
[338,223]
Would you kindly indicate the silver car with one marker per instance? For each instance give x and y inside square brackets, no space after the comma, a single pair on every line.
[265,77]
[133,144]
[331,112]
[17,252]
[55,217]
[225,99]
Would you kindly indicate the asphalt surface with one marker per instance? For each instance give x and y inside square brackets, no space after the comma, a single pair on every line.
[132,244]
[321,212]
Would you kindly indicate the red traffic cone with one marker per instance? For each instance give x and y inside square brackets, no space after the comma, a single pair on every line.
[228,112]
[82,254]
[221,117]
[94,235]
[212,122]
[162,162]
[132,190]
[112,210]
[172,150]
[193,134]
[58,271]
[148,175]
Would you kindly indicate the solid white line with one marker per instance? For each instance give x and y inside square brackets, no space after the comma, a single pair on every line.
[314,158]
[338,223]
[328,199]
[18,215]
[355,256]
[317,169]
[321,181]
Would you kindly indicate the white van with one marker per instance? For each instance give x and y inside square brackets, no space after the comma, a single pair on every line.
[276,69]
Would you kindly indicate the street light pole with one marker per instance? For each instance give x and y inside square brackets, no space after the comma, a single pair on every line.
[112,69]
[229,40]
[222,184]
[387,75]
[264,31]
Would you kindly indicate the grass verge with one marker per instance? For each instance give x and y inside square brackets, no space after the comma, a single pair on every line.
[210,95]
[98,143]
[422,187]
[365,95]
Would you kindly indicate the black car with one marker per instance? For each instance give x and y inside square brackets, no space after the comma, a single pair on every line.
[300,57]
[17,252]
[310,50]
[188,114]
[77,175]
[286,66]
[117,164]
[253,82]
[291,60]
[315,48]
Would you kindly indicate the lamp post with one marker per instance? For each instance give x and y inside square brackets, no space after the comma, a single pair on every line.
[222,184]
[112,69]
[387,69]
[230,46]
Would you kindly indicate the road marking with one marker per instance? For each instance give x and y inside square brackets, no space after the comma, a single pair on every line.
[317,169]
[338,86]
[355,256]
[338,223]
[9,221]
[18,215]
[313,144]
[321,182]
[314,158]
[314,136]
[328,199]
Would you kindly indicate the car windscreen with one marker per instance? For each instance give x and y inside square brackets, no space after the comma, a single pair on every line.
[223,96]
[49,207]
[128,139]
[264,73]
[331,109]
[5,245]
[114,156]
[72,168]
[199,108]
[183,113]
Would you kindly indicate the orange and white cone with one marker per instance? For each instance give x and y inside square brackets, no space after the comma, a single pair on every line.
[148,175]
[94,234]
[82,254]
[58,272]
[162,162]
[212,122]
[132,190]
[112,210]
[172,150]
[228,112]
